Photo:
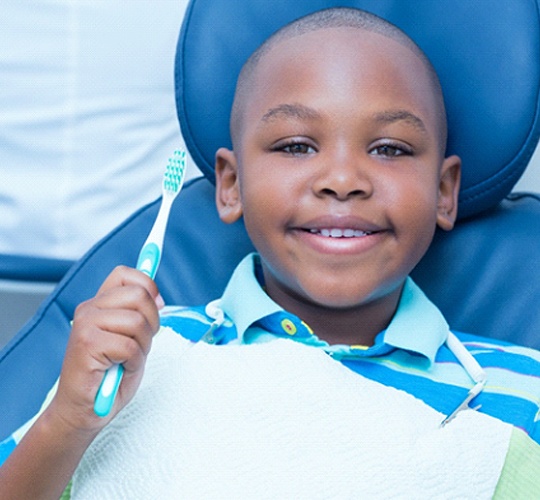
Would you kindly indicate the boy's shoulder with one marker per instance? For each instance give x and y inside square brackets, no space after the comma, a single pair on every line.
[197,323]
[512,389]
[492,352]
[189,321]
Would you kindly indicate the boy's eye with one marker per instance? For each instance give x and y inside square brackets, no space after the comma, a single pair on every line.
[390,151]
[297,149]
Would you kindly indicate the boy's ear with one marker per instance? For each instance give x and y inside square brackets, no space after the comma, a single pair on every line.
[447,205]
[228,202]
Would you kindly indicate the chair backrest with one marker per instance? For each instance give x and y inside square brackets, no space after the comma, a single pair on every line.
[25,281]
[484,275]
[489,73]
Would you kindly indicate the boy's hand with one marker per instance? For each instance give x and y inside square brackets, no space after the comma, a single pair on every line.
[115,327]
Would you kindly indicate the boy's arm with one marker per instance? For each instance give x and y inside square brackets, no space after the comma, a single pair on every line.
[44,461]
[116,326]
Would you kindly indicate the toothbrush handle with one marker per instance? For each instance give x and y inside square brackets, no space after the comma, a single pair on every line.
[148,262]
[149,258]
[107,390]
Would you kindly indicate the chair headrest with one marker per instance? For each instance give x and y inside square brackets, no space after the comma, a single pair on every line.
[487,55]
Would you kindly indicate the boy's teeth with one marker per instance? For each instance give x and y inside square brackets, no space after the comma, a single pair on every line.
[340,233]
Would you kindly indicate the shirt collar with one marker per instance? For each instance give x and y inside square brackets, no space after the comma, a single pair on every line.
[244,301]
[417,326]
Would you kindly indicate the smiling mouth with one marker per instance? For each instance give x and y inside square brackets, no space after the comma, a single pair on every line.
[340,233]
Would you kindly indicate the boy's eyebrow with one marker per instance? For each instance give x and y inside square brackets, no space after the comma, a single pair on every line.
[391,116]
[301,112]
[298,111]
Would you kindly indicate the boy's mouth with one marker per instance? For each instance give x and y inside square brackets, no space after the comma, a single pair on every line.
[340,233]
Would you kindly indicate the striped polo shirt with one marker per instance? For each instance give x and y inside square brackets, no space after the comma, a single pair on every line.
[411,354]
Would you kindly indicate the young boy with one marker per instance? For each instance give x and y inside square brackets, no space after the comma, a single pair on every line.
[340,174]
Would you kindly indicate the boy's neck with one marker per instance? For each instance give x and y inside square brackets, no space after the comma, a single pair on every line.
[353,326]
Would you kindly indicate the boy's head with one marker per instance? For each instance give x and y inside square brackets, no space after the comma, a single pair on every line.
[338,167]
[333,18]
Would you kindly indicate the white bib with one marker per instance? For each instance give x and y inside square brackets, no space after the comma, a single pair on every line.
[282,420]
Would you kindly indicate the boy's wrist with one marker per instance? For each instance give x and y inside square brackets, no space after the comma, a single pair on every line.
[49,453]
[54,425]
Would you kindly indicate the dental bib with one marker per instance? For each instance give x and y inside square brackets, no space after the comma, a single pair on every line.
[282,420]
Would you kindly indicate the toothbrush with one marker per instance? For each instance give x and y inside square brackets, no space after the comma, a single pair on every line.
[148,263]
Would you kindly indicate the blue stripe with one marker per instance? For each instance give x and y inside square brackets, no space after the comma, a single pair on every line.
[193,323]
[512,362]
[191,329]
[445,397]
[440,396]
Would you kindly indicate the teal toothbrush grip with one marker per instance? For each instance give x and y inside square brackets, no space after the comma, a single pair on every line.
[148,263]
[149,259]
[107,390]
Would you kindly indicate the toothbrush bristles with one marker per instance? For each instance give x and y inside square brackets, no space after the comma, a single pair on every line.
[174,173]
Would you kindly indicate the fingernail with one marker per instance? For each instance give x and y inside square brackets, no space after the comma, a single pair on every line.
[160,303]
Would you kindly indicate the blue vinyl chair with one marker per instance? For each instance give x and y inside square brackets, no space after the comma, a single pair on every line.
[484,275]
[25,281]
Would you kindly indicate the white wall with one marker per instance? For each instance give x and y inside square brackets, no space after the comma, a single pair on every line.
[530,181]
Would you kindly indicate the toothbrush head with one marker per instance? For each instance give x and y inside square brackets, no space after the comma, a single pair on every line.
[175,173]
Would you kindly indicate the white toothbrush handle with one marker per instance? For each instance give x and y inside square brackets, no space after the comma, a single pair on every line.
[148,263]
[150,254]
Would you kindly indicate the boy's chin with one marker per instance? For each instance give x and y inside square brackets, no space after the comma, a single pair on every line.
[341,298]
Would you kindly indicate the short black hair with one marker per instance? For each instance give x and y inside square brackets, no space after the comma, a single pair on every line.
[336,17]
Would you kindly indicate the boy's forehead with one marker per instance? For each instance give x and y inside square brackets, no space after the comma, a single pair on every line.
[338,51]
[349,56]
[336,44]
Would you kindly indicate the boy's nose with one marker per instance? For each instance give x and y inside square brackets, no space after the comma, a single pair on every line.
[343,180]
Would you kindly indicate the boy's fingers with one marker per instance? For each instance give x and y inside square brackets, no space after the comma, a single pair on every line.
[130,324]
[124,350]
[125,276]
[114,327]
[106,348]
[92,352]
[138,323]
[129,297]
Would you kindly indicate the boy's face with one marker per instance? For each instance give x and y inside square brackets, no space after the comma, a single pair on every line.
[338,169]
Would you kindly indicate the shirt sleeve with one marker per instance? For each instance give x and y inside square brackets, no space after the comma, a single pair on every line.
[519,477]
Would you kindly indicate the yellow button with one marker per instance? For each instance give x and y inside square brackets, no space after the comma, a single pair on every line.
[288,326]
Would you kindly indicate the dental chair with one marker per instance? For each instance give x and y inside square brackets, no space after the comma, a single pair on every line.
[484,275]
[25,281]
